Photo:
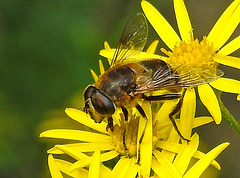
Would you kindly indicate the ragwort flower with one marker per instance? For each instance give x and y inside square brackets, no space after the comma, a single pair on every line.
[159,154]
[208,53]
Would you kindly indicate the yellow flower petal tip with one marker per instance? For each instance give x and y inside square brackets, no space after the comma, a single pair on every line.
[101,67]
[238,97]
[152,48]
[54,170]
[209,99]
[106,45]
[43,134]
[94,75]
[199,167]
[68,111]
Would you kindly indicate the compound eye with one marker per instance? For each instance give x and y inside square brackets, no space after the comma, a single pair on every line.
[89,91]
[102,104]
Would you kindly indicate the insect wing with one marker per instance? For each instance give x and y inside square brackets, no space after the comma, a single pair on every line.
[132,41]
[156,75]
[191,76]
[159,75]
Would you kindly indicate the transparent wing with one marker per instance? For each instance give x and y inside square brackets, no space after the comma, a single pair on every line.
[193,76]
[158,75]
[132,41]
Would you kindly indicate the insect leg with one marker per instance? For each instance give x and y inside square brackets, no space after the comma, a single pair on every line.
[141,111]
[175,111]
[162,97]
[110,123]
[125,113]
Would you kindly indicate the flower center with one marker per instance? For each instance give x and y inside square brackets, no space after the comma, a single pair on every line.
[195,53]
[125,137]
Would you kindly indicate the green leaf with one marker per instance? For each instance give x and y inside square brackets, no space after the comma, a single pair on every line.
[233,123]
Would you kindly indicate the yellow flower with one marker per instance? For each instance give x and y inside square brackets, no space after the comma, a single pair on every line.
[160,150]
[200,55]
[159,154]
[208,53]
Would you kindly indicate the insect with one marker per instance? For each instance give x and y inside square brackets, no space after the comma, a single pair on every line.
[129,79]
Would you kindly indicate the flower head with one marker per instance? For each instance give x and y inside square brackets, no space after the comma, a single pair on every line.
[205,54]
[160,150]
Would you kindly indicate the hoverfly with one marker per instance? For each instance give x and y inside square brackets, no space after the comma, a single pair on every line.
[128,79]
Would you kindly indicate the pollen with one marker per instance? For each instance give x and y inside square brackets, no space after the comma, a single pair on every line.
[192,53]
[125,137]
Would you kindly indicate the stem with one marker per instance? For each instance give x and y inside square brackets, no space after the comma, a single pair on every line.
[227,116]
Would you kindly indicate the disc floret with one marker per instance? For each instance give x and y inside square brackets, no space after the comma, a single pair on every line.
[195,53]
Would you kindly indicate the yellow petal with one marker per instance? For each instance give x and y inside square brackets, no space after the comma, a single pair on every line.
[152,48]
[105,172]
[76,135]
[225,26]
[183,21]
[199,121]
[228,61]
[94,167]
[163,130]
[85,119]
[146,145]
[54,150]
[226,85]
[133,168]
[101,67]
[238,97]
[188,112]
[230,47]
[160,24]
[108,53]
[200,155]
[163,118]
[80,164]
[167,107]
[86,161]
[121,168]
[198,168]
[209,99]
[74,153]
[54,170]
[173,137]
[176,148]
[106,45]
[170,146]
[183,158]
[84,147]
[158,170]
[64,167]
[144,55]
[94,75]
[164,168]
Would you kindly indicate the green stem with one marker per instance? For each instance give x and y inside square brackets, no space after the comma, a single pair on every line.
[227,116]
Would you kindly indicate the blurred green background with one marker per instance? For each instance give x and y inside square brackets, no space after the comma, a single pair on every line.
[46,50]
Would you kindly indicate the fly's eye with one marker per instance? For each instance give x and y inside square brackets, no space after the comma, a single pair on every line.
[89,91]
[102,104]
